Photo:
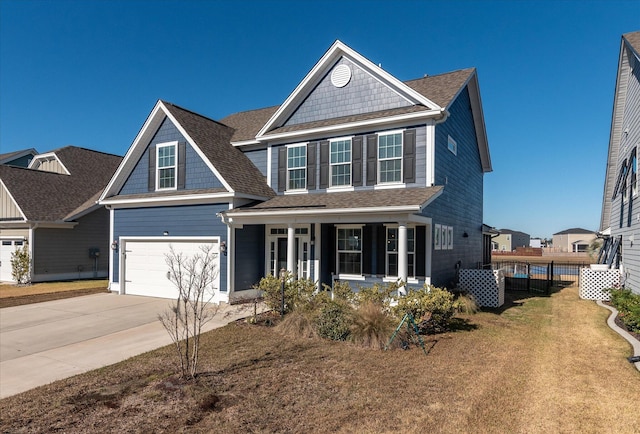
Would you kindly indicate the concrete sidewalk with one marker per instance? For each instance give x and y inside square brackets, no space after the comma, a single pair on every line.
[44,342]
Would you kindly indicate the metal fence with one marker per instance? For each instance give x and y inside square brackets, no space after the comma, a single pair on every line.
[540,278]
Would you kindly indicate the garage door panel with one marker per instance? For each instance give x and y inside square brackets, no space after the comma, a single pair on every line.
[146,268]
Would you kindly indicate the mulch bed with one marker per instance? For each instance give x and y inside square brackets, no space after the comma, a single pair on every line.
[622,325]
[37,298]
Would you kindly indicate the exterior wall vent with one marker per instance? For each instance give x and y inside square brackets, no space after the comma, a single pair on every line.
[341,75]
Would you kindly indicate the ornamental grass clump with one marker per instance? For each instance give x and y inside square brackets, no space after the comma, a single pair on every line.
[371,326]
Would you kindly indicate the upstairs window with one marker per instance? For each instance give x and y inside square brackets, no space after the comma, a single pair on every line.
[297,167]
[340,162]
[166,164]
[452,145]
[390,158]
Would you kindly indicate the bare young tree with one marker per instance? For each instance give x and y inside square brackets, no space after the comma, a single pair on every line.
[194,277]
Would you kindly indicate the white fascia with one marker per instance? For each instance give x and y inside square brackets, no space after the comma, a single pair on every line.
[408,119]
[46,156]
[4,187]
[197,149]
[178,200]
[316,74]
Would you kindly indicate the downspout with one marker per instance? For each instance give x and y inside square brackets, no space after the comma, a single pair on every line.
[32,230]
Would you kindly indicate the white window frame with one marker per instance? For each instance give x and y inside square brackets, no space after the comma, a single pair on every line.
[634,171]
[391,277]
[349,164]
[348,276]
[303,167]
[449,237]
[400,158]
[452,145]
[437,237]
[159,146]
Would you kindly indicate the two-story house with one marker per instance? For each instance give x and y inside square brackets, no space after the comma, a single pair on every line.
[356,176]
[620,221]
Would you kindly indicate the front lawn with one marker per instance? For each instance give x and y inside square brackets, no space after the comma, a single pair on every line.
[543,364]
[15,295]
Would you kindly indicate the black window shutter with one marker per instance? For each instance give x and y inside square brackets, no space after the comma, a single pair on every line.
[324,164]
[182,165]
[381,250]
[409,155]
[311,166]
[367,249]
[152,167]
[372,159]
[356,161]
[282,168]
[420,246]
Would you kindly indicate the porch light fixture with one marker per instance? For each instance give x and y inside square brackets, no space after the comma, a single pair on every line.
[223,248]
[114,245]
[465,235]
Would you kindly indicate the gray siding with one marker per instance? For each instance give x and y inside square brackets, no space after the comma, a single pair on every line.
[62,251]
[22,161]
[197,174]
[249,256]
[624,219]
[363,94]
[460,204]
[259,159]
[191,220]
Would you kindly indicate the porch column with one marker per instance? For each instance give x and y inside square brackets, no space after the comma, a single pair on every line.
[291,247]
[402,255]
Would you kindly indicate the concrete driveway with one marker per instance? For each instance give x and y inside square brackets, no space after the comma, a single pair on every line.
[44,342]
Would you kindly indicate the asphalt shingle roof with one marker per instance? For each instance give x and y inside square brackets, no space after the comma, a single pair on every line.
[634,40]
[360,199]
[214,139]
[46,196]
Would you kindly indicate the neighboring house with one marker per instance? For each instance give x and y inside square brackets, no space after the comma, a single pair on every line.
[18,158]
[573,240]
[509,239]
[52,208]
[536,243]
[357,176]
[620,219]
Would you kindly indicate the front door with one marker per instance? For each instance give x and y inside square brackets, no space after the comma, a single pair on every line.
[278,252]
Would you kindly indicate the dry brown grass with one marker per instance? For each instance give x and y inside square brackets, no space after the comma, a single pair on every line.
[544,364]
[13,295]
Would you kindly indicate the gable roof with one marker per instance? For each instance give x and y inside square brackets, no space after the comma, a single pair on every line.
[8,157]
[210,139]
[629,47]
[574,231]
[53,197]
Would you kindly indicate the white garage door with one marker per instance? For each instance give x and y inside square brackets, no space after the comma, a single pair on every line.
[7,247]
[145,269]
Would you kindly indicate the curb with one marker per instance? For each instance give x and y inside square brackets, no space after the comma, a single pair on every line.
[612,324]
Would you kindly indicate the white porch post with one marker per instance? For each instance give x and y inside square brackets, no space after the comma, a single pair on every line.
[402,255]
[291,246]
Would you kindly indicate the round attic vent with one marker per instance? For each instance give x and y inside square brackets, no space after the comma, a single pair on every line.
[341,75]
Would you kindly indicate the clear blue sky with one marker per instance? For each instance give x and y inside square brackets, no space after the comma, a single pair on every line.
[87,73]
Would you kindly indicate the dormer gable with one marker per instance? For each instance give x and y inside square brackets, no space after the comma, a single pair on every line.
[49,162]
[351,85]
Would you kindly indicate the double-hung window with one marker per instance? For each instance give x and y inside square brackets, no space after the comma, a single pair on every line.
[390,157]
[297,167]
[166,166]
[392,252]
[349,251]
[340,162]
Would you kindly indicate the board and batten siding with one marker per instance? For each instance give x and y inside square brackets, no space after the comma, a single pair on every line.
[197,173]
[363,94]
[460,204]
[625,217]
[8,208]
[178,221]
[64,253]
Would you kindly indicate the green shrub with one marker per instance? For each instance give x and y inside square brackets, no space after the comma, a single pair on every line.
[371,326]
[628,305]
[333,320]
[297,293]
[381,295]
[431,307]
[20,265]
